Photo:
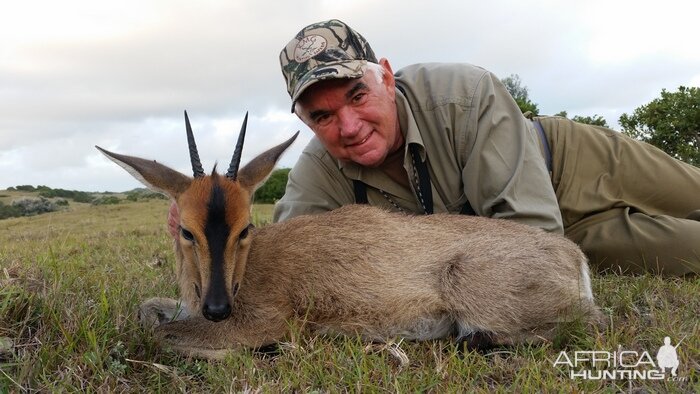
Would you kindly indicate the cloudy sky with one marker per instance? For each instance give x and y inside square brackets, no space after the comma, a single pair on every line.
[74,74]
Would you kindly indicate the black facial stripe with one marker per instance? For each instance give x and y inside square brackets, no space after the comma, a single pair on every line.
[217,232]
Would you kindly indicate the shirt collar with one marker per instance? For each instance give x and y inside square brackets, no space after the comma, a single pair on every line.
[408,125]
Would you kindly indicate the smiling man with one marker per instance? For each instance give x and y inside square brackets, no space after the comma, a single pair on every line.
[449,138]
[375,139]
[355,118]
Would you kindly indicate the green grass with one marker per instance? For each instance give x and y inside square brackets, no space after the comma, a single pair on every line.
[71,281]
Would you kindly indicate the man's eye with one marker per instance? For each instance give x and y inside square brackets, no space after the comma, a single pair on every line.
[358,98]
[323,119]
[187,235]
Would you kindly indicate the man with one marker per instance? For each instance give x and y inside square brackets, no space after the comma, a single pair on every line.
[449,138]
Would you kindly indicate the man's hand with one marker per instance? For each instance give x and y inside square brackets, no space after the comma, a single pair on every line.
[174,221]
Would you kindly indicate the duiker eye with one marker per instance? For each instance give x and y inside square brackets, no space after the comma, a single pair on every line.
[187,235]
[244,233]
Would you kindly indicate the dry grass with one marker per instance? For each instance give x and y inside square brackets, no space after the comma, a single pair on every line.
[70,283]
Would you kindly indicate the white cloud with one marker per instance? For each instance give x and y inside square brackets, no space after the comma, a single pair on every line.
[694,81]
[620,31]
[81,73]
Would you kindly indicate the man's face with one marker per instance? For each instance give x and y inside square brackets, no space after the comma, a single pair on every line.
[355,119]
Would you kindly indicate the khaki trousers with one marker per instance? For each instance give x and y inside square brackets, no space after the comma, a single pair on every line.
[630,206]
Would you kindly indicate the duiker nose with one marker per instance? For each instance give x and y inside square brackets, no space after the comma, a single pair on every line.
[216,311]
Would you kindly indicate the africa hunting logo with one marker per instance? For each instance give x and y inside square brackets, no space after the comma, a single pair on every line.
[622,364]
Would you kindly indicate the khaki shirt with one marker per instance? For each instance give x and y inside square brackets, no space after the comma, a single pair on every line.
[478,146]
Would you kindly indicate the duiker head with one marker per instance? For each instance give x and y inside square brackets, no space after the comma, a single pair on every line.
[214,220]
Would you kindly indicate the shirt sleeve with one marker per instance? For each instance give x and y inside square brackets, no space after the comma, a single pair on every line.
[315,185]
[505,175]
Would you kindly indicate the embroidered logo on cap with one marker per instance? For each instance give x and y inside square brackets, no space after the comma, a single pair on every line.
[309,47]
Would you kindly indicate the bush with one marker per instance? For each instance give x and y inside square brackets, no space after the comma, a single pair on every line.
[273,189]
[144,194]
[670,123]
[34,206]
[47,192]
[9,211]
[30,206]
[110,200]
[72,194]
[83,197]
[25,188]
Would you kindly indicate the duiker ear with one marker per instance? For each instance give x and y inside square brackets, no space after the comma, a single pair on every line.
[255,172]
[152,174]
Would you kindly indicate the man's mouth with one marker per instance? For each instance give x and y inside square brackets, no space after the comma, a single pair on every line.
[363,140]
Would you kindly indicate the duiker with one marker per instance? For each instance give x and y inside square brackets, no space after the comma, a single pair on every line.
[357,270]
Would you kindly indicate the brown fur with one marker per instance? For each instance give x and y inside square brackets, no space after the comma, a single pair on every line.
[362,270]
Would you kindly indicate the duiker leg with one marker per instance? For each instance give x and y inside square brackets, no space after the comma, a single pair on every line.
[202,338]
[156,311]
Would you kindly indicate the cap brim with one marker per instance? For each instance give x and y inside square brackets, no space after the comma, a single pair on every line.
[350,69]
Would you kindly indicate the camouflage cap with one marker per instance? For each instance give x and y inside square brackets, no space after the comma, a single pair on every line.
[323,50]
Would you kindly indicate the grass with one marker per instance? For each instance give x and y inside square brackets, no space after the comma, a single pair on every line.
[71,281]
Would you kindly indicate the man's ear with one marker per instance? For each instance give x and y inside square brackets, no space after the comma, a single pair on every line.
[388,77]
[384,62]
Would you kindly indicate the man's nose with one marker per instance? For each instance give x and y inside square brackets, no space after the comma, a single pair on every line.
[348,122]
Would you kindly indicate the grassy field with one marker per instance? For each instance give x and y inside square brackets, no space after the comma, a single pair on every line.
[71,281]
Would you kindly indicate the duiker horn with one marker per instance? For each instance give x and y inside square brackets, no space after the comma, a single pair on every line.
[194,156]
[232,172]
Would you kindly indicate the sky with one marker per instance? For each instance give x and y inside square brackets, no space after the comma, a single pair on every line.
[75,74]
